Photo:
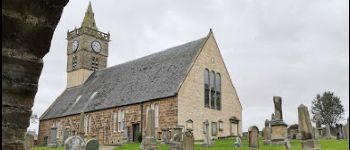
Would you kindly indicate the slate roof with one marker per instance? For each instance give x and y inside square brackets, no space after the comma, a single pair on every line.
[155,76]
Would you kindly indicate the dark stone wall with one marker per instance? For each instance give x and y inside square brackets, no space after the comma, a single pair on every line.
[27,29]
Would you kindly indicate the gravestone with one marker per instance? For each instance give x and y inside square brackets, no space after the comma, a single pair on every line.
[253,138]
[346,127]
[188,140]
[305,129]
[278,127]
[149,140]
[316,133]
[287,144]
[53,140]
[29,141]
[238,142]
[92,144]
[165,136]
[339,129]
[207,140]
[74,143]
[318,118]
[81,129]
[125,134]
[176,140]
[328,132]
[266,132]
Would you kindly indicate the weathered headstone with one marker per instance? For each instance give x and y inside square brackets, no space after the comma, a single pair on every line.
[81,129]
[346,127]
[278,127]
[29,141]
[238,142]
[125,135]
[318,118]
[149,140]
[92,144]
[207,140]
[253,138]
[287,144]
[176,140]
[339,129]
[266,132]
[307,140]
[165,136]
[53,137]
[316,133]
[328,132]
[74,143]
[188,141]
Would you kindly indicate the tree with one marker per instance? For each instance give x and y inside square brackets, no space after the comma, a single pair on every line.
[330,108]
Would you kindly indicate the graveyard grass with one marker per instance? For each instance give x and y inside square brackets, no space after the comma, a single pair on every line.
[227,144]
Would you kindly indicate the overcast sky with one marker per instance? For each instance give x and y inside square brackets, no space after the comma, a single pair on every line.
[293,49]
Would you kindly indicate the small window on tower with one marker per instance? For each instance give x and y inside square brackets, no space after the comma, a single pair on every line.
[94,64]
[74,62]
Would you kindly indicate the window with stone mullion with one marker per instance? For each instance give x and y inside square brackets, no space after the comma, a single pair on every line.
[206,88]
[218,91]
[212,90]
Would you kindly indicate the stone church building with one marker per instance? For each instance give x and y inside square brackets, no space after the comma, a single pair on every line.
[186,85]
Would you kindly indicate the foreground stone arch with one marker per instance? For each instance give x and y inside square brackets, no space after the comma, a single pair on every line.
[27,29]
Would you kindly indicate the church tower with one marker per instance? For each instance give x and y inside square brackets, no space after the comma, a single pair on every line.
[87,50]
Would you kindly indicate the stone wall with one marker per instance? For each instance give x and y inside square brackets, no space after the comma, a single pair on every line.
[191,94]
[103,119]
[27,29]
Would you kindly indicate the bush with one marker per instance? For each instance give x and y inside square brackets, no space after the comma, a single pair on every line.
[139,137]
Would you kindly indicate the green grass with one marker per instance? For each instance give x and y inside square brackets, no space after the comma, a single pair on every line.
[227,144]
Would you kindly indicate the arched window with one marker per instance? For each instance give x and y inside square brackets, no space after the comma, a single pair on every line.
[212,90]
[114,121]
[206,88]
[218,91]
[94,63]
[156,112]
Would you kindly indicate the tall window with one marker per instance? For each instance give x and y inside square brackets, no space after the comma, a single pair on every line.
[94,63]
[156,112]
[74,62]
[212,90]
[86,123]
[114,121]
[206,88]
[218,91]
[120,121]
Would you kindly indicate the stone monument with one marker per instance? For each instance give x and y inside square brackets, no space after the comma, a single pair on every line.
[253,138]
[53,137]
[278,127]
[346,130]
[165,136]
[74,143]
[149,140]
[339,129]
[305,128]
[207,140]
[328,132]
[176,140]
[266,132]
[92,144]
[318,118]
[188,140]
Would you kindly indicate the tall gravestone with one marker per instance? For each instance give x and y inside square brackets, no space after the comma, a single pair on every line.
[305,129]
[207,141]
[328,132]
[266,132]
[253,138]
[81,129]
[346,127]
[74,143]
[318,118]
[53,137]
[339,129]
[92,144]
[278,127]
[149,140]
[188,141]
[165,136]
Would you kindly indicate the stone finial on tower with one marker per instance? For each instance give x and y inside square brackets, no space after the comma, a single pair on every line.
[89,20]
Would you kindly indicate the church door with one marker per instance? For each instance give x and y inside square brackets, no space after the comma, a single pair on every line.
[135,131]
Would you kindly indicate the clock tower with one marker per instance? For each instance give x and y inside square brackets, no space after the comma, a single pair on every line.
[87,50]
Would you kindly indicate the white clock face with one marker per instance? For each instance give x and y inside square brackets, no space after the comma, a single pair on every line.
[96,46]
[75,45]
